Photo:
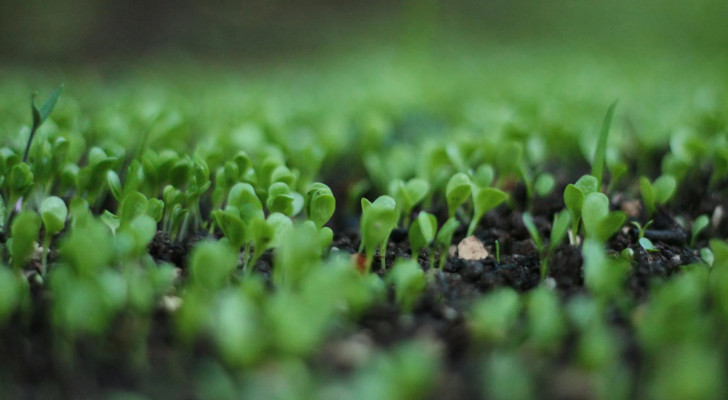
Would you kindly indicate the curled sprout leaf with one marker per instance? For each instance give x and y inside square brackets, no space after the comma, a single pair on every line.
[320,204]
[53,212]
[377,222]
[457,192]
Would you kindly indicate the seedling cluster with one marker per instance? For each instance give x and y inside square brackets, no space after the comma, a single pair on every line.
[245,244]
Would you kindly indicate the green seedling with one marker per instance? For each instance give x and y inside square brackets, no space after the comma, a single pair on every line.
[40,115]
[409,281]
[559,229]
[493,317]
[407,372]
[53,212]
[656,193]
[507,376]
[319,204]
[212,265]
[377,222]
[699,226]
[18,181]
[546,323]
[458,190]
[236,319]
[617,170]
[484,175]
[443,240]
[24,234]
[298,252]
[599,222]
[603,276]
[281,199]
[707,256]
[11,292]
[574,195]
[600,153]
[422,233]
[484,200]
[641,229]
[408,195]
[544,184]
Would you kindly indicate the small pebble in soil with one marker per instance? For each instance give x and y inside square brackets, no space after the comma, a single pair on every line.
[471,248]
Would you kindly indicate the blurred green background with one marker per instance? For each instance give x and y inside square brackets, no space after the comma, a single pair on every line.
[42,32]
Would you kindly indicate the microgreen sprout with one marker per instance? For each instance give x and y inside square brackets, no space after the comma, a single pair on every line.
[24,233]
[408,195]
[443,240]
[484,200]
[53,212]
[409,281]
[656,193]
[457,192]
[377,222]
[559,229]
[599,222]
[320,204]
[574,195]
[40,115]
[422,233]
[544,184]
[641,229]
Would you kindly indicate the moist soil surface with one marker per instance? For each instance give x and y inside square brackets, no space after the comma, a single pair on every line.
[32,360]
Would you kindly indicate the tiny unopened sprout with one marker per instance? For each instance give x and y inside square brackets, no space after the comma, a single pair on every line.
[444,239]
[699,226]
[40,115]
[641,229]
[377,222]
[53,212]
[559,229]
